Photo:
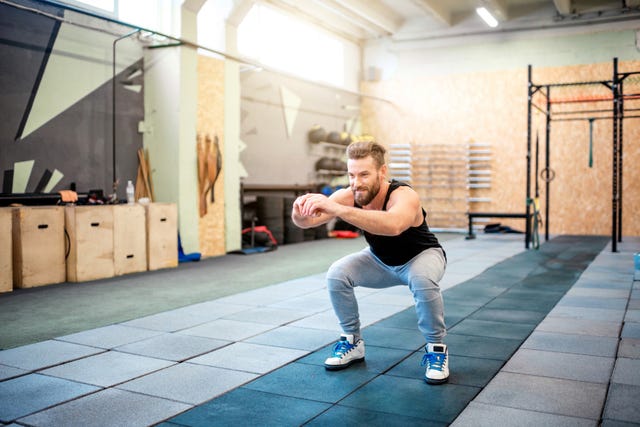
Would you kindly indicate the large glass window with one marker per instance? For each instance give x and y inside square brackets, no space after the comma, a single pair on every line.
[155,15]
[103,7]
[211,24]
[290,45]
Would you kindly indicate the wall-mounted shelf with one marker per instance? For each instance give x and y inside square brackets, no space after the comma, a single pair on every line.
[330,172]
[448,177]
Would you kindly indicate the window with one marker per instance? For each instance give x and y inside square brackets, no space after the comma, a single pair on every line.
[282,42]
[103,7]
[155,15]
[212,25]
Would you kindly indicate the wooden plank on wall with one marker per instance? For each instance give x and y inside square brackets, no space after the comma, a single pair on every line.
[211,122]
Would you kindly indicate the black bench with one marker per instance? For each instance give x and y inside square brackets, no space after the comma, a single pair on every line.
[491,215]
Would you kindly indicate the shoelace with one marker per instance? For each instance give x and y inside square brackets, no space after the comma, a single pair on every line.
[341,348]
[434,360]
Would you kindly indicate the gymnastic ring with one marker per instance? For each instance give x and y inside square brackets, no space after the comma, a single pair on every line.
[547,174]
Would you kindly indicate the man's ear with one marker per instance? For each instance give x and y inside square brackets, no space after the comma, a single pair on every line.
[383,170]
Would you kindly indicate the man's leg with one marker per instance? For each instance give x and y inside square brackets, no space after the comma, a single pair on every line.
[424,273]
[358,269]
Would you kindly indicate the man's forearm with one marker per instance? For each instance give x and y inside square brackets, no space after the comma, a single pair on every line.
[302,221]
[372,221]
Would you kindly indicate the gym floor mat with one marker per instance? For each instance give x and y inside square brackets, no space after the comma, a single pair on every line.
[488,317]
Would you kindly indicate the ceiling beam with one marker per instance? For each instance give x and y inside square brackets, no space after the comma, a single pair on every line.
[375,12]
[193,5]
[563,6]
[371,16]
[498,8]
[435,9]
[239,12]
[339,25]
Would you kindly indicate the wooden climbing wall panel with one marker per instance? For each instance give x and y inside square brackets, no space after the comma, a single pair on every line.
[211,122]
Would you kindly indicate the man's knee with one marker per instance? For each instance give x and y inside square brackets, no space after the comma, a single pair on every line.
[338,277]
[423,285]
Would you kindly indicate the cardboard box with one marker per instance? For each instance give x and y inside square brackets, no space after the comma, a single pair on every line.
[129,239]
[162,235]
[90,230]
[38,246]
[6,251]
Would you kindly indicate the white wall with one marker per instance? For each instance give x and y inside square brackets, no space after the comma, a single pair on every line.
[501,52]
[170,122]
[352,66]
[168,105]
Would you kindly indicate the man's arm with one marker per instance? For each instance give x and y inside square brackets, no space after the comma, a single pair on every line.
[403,210]
[303,217]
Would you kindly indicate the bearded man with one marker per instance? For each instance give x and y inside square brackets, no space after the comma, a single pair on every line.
[402,251]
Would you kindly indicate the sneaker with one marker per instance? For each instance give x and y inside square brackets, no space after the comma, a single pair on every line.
[345,353]
[437,362]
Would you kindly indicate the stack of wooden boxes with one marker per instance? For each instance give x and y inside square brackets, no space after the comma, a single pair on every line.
[6,251]
[90,230]
[129,239]
[162,236]
[79,243]
[38,246]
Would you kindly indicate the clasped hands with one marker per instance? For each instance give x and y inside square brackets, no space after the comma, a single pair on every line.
[314,204]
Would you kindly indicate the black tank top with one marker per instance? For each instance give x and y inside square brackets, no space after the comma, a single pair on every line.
[400,249]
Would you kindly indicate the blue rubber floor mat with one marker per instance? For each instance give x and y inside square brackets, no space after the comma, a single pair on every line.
[488,318]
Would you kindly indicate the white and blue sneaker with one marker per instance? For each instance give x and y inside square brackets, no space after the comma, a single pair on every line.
[345,353]
[437,362]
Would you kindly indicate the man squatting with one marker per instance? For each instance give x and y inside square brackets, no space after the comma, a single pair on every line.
[402,251]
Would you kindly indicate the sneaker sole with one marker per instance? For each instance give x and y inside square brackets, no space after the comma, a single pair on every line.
[340,367]
[436,382]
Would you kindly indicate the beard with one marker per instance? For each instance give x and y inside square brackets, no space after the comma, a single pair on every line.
[363,195]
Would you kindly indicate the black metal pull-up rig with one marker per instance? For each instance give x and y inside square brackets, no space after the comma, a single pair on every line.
[615,113]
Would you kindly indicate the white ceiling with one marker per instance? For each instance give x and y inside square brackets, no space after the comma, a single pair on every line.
[418,20]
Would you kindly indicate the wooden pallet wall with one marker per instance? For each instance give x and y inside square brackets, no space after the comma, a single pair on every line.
[492,106]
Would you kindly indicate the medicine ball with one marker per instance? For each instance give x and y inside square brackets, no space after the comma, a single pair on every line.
[339,165]
[317,134]
[333,137]
[324,163]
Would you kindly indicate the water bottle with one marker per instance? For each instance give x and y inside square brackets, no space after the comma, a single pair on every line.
[636,264]
[130,193]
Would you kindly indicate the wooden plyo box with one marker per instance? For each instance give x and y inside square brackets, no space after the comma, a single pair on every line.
[38,246]
[129,239]
[162,235]
[6,257]
[90,230]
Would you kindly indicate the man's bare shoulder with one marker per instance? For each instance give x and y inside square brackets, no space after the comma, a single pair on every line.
[404,191]
[404,195]
[344,196]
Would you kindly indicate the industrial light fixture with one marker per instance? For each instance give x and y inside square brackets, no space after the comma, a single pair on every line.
[487,17]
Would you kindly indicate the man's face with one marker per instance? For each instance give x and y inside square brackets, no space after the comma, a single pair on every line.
[364,179]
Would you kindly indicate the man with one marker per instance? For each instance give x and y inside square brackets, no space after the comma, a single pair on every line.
[402,251]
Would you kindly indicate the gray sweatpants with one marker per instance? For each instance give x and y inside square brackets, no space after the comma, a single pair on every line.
[421,274]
